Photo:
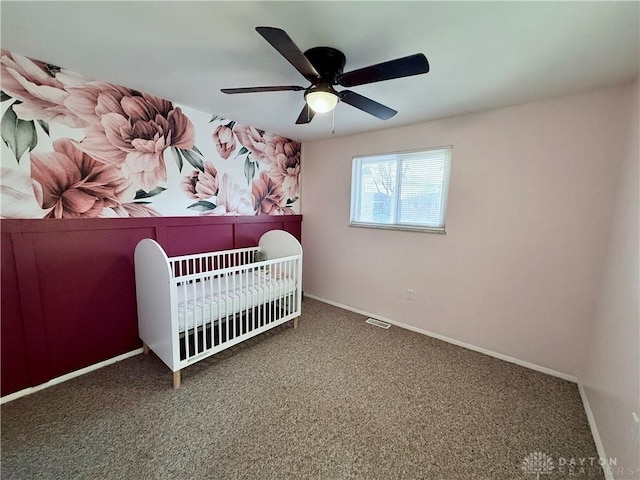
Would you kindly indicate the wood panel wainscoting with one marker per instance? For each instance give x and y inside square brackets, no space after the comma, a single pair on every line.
[68,288]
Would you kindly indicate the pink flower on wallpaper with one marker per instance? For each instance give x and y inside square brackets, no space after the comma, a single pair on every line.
[17,198]
[72,184]
[267,195]
[138,210]
[40,87]
[233,199]
[201,185]
[252,140]
[285,165]
[225,140]
[130,129]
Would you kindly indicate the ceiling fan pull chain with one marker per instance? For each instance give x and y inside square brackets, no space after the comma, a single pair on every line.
[333,121]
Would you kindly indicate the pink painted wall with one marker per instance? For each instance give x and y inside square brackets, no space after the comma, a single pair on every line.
[612,373]
[518,271]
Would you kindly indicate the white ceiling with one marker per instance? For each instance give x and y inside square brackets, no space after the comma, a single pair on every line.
[482,55]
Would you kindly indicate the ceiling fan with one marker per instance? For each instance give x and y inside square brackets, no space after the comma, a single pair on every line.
[322,66]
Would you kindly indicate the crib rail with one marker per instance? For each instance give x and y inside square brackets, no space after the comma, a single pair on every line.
[227,297]
[197,263]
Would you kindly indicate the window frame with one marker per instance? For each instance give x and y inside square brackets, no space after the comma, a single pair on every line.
[400,156]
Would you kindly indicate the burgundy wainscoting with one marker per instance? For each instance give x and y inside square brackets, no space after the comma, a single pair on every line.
[68,286]
[15,367]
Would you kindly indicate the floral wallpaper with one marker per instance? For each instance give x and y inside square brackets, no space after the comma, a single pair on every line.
[76,147]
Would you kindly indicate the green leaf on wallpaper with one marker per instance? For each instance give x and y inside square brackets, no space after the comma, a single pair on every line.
[291,201]
[45,127]
[4,96]
[19,135]
[150,193]
[249,169]
[177,156]
[197,150]
[214,118]
[242,151]
[143,203]
[202,206]
[193,159]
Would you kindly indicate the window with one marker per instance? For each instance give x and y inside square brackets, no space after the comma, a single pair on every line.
[405,190]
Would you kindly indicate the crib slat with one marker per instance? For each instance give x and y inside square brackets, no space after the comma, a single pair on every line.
[255,293]
[220,303]
[198,316]
[288,297]
[236,305]
[285,291]
[187,328]
[260,297]
[298,284]
[227,309]
[212,304]
[276,293]
[240,306]
[244,279]
[292,295]
[269,293]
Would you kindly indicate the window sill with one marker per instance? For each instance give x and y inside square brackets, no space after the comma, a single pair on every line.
[407,228]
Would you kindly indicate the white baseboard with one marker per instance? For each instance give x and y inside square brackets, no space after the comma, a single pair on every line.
[608,473]
[68,376]
[506,358]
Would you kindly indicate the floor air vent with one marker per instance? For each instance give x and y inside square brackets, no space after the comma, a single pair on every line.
[377,323]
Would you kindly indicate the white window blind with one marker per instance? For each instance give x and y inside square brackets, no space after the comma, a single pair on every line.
[403,190]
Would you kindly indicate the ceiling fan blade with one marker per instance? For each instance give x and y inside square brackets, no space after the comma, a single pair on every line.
[288,49]
[398,68]
[306,115]
[367,105]
[262,89]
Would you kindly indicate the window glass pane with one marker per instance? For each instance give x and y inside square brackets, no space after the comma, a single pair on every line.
[378,191]
[421,191]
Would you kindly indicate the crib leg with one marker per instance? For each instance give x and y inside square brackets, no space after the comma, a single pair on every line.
[295,322]
[145,348]
[176,379]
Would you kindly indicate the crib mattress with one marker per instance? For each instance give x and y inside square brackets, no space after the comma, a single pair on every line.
[215,299]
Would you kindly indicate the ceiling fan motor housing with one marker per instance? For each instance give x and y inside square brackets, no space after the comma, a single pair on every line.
[328,62]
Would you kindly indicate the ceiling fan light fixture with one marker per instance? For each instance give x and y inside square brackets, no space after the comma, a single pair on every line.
[321,100]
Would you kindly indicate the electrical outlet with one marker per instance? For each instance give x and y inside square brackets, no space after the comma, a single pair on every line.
[409,294]
[635,427]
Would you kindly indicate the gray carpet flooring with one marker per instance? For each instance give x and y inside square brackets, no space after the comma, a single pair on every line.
[334,399]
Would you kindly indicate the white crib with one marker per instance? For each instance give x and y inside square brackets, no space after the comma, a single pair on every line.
[193,306]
